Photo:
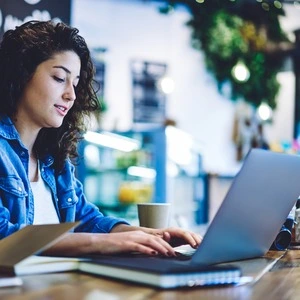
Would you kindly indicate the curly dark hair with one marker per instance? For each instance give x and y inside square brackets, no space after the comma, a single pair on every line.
[21,51]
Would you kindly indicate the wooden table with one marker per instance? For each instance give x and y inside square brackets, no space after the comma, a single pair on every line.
[282,282]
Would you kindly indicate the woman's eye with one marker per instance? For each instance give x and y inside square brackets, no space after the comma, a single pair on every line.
[58,79]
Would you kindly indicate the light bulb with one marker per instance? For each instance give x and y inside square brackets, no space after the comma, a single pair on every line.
[264,112]
[240,72]
[166,85]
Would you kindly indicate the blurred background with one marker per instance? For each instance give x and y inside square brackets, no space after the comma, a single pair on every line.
[187,88]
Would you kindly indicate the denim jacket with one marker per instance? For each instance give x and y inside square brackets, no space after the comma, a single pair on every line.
[16,197]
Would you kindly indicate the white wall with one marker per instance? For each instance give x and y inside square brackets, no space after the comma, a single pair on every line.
[132,29]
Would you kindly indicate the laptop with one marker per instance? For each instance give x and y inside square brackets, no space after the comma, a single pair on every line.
[256,206]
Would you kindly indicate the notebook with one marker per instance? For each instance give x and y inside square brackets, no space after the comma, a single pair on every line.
[247,222]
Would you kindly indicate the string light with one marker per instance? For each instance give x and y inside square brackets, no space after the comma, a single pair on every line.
[265,6]
[240,72]
[277,4]
[264,112]
[166,85]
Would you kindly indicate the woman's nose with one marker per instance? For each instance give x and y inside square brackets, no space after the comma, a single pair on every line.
[69,93]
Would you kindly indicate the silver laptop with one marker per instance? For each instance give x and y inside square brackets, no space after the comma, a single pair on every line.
[254,209]
[256,206]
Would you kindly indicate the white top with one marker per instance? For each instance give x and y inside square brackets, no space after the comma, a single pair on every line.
[44,209]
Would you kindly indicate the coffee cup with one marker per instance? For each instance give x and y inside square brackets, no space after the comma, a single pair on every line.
[154,215]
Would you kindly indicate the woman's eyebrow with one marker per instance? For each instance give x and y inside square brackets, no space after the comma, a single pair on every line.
[65,69]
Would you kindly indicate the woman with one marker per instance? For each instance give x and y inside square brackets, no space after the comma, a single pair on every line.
[46,88]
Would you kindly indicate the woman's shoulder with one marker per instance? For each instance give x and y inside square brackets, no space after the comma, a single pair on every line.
[7,128]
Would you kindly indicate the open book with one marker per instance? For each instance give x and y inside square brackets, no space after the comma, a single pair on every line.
[17,257]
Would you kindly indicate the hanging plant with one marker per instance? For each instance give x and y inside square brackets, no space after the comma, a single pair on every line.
[239,33]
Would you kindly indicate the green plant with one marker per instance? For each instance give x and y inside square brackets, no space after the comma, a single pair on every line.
[229,32]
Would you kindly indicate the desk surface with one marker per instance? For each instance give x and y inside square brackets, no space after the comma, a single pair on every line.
[282,282]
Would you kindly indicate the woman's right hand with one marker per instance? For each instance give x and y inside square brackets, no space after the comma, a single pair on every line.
[74,244]
[132,241]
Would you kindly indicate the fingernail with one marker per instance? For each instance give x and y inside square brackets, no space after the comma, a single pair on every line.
[154,252]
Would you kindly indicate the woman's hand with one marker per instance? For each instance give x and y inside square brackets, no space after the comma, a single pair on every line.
[74,244]
[172,235]
[134,241]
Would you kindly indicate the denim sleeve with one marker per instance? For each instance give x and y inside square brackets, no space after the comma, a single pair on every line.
[6,227]
[12,205]
[91,219]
